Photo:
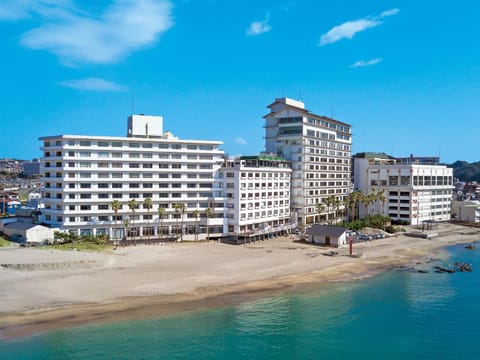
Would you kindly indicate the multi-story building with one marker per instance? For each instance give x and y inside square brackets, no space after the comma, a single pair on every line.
[413,193]
[83,175]
[319,149]
[31,168]
[257,190]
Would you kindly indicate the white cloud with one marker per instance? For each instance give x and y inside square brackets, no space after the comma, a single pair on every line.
[348,29]
[389,12]
[241,141]
[14,9]
[363,63]
[22,9]
[259,27]
[95,84]
[77,37]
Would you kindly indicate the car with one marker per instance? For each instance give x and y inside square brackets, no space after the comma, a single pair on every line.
[364,237]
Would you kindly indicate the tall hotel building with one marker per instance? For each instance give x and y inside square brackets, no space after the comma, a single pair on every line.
[83,175]
[319,149]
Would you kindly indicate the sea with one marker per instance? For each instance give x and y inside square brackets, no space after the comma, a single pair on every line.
[398,314]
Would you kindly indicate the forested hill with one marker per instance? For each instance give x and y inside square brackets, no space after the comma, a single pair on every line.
[465,171]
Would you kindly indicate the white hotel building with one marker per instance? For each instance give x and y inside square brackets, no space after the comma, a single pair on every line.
[319,149]
[84,174]
[257,190]
[413,192]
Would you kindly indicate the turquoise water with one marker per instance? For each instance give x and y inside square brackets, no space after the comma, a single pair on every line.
[396,315]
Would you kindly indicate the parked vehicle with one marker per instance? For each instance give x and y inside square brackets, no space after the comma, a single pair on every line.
[364,237]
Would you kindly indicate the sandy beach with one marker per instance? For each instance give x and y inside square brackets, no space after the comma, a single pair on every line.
[44,289]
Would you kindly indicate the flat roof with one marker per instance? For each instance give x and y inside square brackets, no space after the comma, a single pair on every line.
[131,139]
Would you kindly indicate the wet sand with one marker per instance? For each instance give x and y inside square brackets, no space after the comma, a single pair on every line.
[48,289]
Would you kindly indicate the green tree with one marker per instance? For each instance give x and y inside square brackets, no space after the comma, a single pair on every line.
[115,205]
[208,215]
[161,216]
[180,210]
[126,223]
[330,203]
[196,214]
[148,204]
[319,207]
[133,205]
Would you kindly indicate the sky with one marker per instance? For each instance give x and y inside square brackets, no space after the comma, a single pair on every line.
[404,74]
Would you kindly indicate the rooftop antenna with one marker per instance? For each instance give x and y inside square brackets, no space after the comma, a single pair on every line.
[133,97]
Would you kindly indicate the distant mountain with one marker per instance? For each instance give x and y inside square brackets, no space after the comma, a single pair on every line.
[465,171]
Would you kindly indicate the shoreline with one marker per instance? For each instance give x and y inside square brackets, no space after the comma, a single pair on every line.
[201,291]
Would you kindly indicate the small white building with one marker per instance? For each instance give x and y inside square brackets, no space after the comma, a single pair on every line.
[28,233]
[468,211]
[327,235]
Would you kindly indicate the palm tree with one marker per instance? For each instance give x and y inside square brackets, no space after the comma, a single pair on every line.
[132,205]
[319,207]
[330,202]
[380,197]
[336,205]
[161,216]
[148,204]
[126,231]
[208,214]
[115,207]
[180,210]
[196,214]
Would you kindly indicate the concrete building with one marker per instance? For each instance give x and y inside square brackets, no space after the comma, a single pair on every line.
[257,190]
[31,168]
[83,175]
[413,193]
[319,149]
[467,211]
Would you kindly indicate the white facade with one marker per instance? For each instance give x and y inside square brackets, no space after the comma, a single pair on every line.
[257,190]
[145,126]
[319,149]
[413,193]
[84,174]
[29,233]
[468,211]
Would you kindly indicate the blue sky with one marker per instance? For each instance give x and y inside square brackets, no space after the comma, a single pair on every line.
[405,74]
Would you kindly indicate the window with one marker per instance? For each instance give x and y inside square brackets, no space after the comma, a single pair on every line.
[85,143]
